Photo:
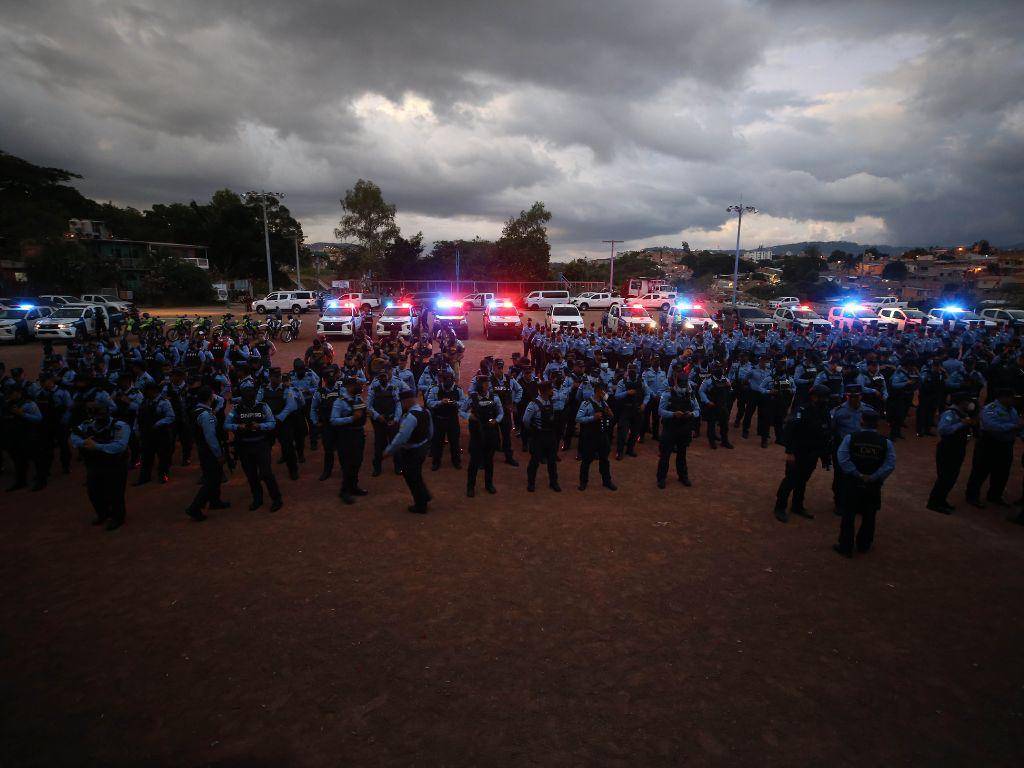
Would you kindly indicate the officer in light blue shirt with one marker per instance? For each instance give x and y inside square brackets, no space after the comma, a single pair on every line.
[993,451]
[415,431]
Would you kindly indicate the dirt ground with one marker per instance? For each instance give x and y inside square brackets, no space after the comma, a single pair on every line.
[638,628]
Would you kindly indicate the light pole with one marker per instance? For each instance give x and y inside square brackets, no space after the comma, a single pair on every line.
[611,265]
[262,195]
[739,209]
[298,276]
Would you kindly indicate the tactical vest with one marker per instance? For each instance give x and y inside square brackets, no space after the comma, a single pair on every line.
[197,430]
[447,411]
[485,410]
[148,415]
[384,400]
[529,390]
[191,359]
[834,382]
[867,451]
[961,436]
[275,398]
[502,389]
[249,414]
[602,424]
[630,401]
[422,428]
[116,362]
[326,405]
[547,416]
[88,429]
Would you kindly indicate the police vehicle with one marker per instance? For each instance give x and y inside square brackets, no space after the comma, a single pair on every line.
[1003,316]
[596,300]
[339,319]
[856,317]
[501,318]
[286,301]
[363,301]
[18,324]
[74,321]
[398,317]
[563,317]
[904,318]
[633,317]
[957,317]
[451,313]
[754,318]
[689,318]
[59,300]
[109,303]
[658,300]
[800,316]
[477,300]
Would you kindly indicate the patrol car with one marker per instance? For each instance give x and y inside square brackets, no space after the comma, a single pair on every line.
[74,321]
[286,301]
[501,318]
[564,317]
[109,303]
[904,318]
[18,324]
[1013,318]
[753,318]
[398,317]
[687,317]
[957,317]
[339,319]
[363,301]
[856,317]
[800,317]
[633,317]
[59,300]
[477,300]
[450,313]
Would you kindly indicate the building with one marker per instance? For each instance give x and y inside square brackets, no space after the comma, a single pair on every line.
[759,254]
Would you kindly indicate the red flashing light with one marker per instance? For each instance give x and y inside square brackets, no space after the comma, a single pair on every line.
[696,306]
[404,306]
[804,308]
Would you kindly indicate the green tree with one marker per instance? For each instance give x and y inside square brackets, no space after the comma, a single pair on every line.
[523,251]
[369,220]
[173,281]
[67,267]
[801,269]
[402,258]
[895,270]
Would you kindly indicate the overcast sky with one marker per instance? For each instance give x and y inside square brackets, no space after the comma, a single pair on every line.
[878,121]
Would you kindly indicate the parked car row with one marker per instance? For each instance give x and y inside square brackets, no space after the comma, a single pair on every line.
[58,318]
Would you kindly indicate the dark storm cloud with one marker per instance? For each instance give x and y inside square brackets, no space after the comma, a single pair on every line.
[632,120]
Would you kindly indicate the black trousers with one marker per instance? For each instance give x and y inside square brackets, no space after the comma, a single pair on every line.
[674,438]
[652,422]
[446,427]
[858,498]
[949,459]
[598,447]
[351,444]
[157,444]
[992,459]
[897,410]
[297,422]
[750,407]
[798,473]
[412,472]
[741,405]
[717,418]
[505,430]
[630,422]
[183,432]
[383,433]
[209,488]
[105,483]
[927,403]
[569,422]
[255,460]
[285,435]
[543,450]
[327,434]
[483,443]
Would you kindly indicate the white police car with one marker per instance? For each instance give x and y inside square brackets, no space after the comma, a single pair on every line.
[633,317]
[18,324]
[564,317]
[402,318]
[340,319]
[451,314]
[689,318]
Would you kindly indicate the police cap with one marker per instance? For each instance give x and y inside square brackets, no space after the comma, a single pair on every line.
[821,390]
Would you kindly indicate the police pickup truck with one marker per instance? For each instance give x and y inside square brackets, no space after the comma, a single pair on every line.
[340,319]
[74,321]
[18,323]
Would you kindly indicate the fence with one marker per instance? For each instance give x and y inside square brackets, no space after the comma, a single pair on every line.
[498,287]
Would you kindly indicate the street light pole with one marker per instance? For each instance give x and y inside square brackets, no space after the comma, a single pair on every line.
[739,209]
[611,265]
[298,276]
[263,195]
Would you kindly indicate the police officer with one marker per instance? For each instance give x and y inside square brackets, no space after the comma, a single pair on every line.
[53,403]
[715,393]
[484,412]
[508,391]
[103,443]
[631,396]
[595,419]
[176,392]
[348,417]
[443,401]
[807,437]
[955,428]
[993,452]
[412,442]
[252,424]
[846,419]
[283,404]
[211,456]
[156,437]
[385,410]
[677,411]
[23,424]
[539,421]
[866,459]
[320,414]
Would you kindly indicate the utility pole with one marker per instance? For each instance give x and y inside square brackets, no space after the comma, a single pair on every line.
[458,257]
[262,196]
[739,209]
[611,265]
[298,276]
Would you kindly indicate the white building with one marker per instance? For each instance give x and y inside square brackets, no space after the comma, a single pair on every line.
[758,254]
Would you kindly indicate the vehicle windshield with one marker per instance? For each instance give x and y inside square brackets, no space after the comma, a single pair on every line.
[750,312]
[397,312]
[969,316]
[67,313]
[914,314]
[634,312]
[698,312]
[1016,314]
[13,314]
[805,314]
[338,312]
[502,312]
[565,312]
[585,296]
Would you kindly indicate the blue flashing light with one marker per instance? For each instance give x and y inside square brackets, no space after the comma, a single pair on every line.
[389,303]
[952,308]
[334,304]
[446,303]
[26,306]
[683,305]
[852,306]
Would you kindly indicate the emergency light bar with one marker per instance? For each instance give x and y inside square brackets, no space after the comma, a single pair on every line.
[26,306]
[804,308]
[950,308]
[852,306]
[683,305]
[333,304]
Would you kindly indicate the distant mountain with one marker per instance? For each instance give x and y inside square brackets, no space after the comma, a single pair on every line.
[344,247]
[826,247]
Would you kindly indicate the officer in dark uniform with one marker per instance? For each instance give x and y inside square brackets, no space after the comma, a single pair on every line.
[320,412]
[348,417]
[866,459]
[53,403]
[22,425]
[385,411]
[283,404]
[415,431]
[103,443]
[808,439]
[539,420]
[253,424]
[594,416]
[505,388]
[483,411]
[156,436]
[631,396]
[956,426]
[443,401]
[176,392]
[211,456]
[716,401]
[677,411]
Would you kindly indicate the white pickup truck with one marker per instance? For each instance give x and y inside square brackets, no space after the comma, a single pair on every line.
[72,321]
[883,302]
[110,302]
[596,300]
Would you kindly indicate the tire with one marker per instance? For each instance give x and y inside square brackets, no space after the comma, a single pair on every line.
[286,335]
[534,307]
[260,309]
[584,307]
[172,334]
[296,308]
[665,307]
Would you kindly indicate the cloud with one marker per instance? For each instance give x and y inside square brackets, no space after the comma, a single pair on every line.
[896,120]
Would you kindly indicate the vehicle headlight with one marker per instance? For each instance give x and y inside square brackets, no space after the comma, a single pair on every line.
[688,324]
[62,326]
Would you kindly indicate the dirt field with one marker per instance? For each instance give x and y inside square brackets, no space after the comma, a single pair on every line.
[638,628]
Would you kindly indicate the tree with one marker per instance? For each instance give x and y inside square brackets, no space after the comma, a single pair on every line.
[402,258]
[982,248]
[523,251]
[369,220]
[173,281]
[801,269]
[68,267]
[812,252]
[895,270]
